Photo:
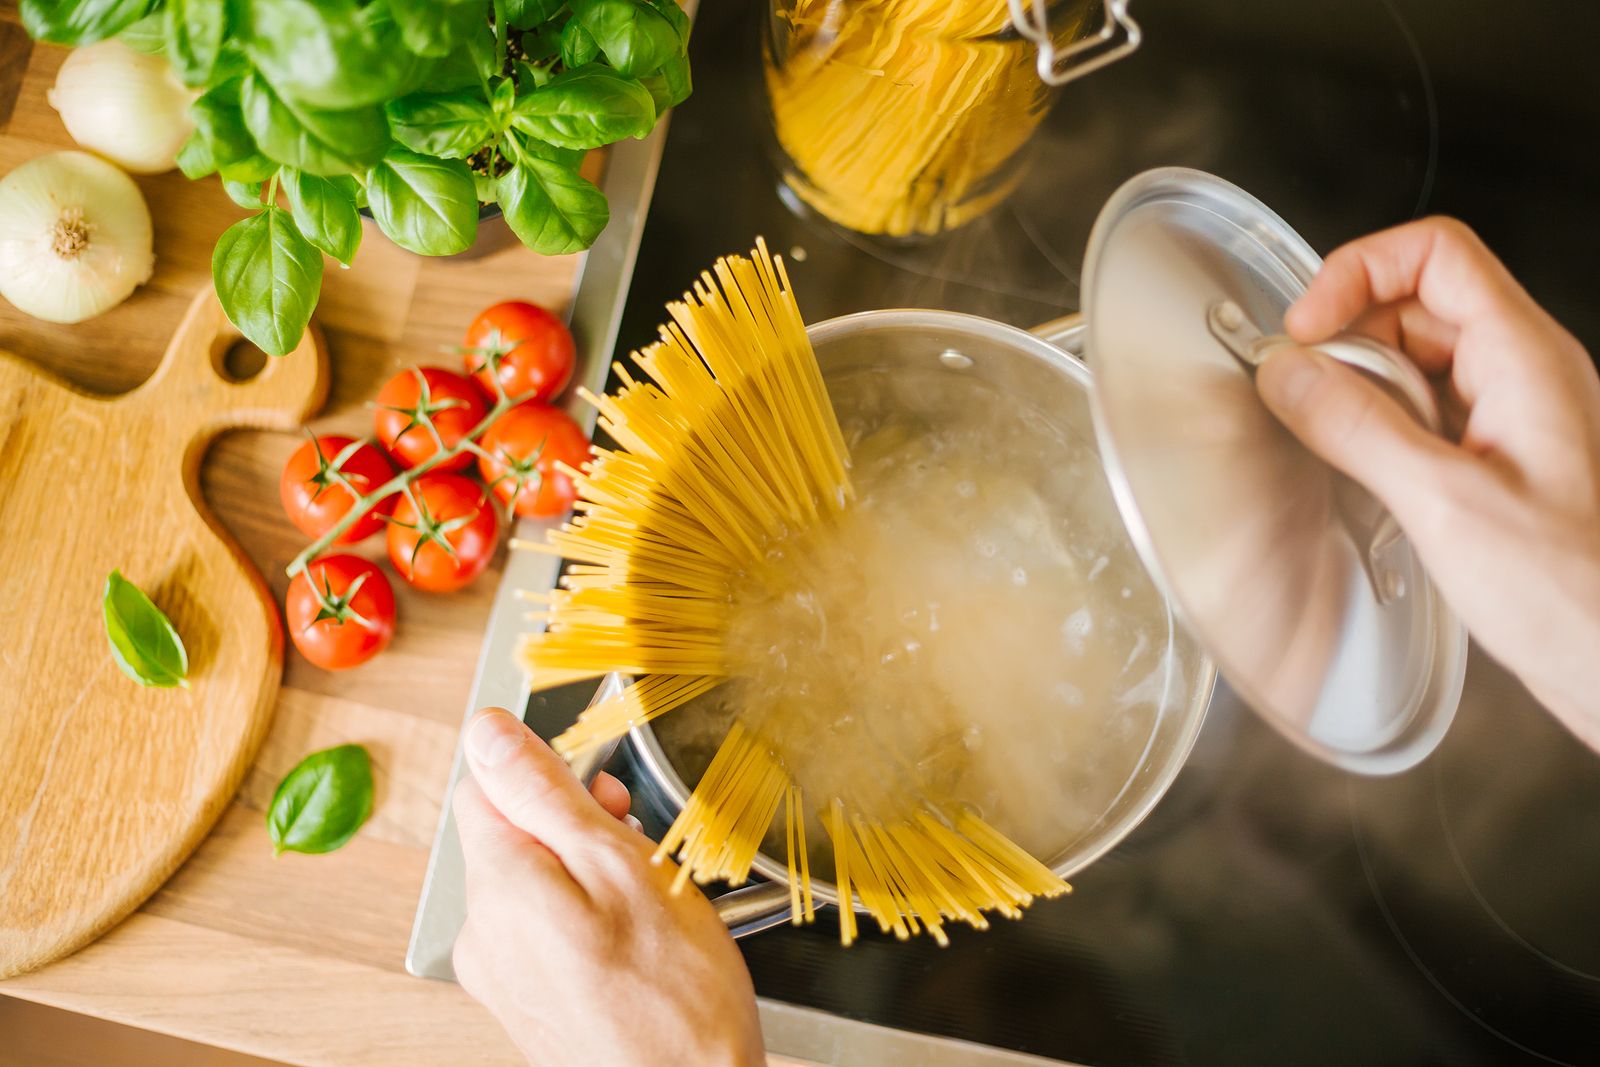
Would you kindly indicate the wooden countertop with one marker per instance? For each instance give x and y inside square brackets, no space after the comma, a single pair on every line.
[299,958]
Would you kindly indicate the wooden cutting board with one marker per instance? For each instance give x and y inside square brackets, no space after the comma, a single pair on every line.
[106,786]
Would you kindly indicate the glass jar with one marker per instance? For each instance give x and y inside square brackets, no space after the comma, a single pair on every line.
[906,118]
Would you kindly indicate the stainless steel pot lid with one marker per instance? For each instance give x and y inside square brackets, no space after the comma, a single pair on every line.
[1292,577]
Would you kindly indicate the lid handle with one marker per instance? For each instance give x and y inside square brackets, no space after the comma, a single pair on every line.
[1384,543]
[1118,35]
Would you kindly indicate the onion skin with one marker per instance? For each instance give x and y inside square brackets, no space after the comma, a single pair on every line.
[75,237]
[125,105]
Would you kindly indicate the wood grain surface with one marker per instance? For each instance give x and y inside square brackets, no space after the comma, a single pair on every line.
[108,785]
[298,959]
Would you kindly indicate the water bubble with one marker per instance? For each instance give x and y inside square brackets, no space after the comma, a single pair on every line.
[1099,565]
[966,490]
[987,548]
[1126,592]
[1019,576]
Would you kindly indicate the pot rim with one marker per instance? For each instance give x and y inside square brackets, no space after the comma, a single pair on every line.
[1054,352]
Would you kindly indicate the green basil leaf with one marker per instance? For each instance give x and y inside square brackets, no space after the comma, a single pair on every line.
[586,108]
[268,277]
[252,168]
[679,20]
[332,54]
[322,802]
[504,96]
[147,35]
[570,158]
[635,37]
[245,194]
[483,188]
[319,142]
[450,125]
[78,22]
[434,27]
[671,85]
[217,119]
[542,43]
[578,45]
[422,204]
[143,641]
[325,211]
[195,30]
[525,14]
[550,208]
[194,158]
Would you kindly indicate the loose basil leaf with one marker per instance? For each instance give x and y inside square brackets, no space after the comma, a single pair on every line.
[322,802]
[550,208]
[78,22]
[523,14]
[145,645]
[315,141]
[147,35]
[433,27]
[451,125]
[334,54]
[578,45]
[195,30]
[245,194]
[635,37]
[267,276]
[424,205]
[586,108]
[325,211]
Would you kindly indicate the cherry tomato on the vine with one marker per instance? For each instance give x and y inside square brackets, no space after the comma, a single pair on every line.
[417,394]
[340,611]
[444,533]
[522,344]
[314,491]
[525,443]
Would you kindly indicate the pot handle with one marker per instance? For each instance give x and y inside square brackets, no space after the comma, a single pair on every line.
[753,908]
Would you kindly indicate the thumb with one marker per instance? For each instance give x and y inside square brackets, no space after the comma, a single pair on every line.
[1349,421]
[530,785]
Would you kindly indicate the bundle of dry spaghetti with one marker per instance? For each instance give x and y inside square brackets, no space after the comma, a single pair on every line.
[730,462]
[903,117]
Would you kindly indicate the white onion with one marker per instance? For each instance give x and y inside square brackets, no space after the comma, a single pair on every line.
[128,106]
[74,237]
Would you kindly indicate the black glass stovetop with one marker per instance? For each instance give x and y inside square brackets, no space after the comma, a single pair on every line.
[1271,910]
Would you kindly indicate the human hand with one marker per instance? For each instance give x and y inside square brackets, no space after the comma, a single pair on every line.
[572,939]
[1504,511]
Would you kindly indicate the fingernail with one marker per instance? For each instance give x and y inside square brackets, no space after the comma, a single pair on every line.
[493,736]
[633,822]
[1288,375]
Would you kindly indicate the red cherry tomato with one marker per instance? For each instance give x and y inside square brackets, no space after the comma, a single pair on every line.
[314,496]
[340,611]
[447,537]
[526,442]
[522,344]
[453,402]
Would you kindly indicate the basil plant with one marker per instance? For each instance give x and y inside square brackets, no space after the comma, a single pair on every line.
[419,111]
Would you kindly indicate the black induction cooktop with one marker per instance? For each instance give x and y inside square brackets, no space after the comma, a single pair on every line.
[1271,910]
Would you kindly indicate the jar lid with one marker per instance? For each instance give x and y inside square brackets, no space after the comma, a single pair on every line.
[1291,576]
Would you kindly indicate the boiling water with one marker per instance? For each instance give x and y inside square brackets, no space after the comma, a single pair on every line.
[975,630]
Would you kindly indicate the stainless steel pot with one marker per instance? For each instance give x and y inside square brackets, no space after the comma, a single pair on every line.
[1046,367]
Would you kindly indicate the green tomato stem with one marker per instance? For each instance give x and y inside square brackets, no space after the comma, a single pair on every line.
[401,483]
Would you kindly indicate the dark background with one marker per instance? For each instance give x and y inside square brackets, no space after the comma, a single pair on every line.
[1271,910]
